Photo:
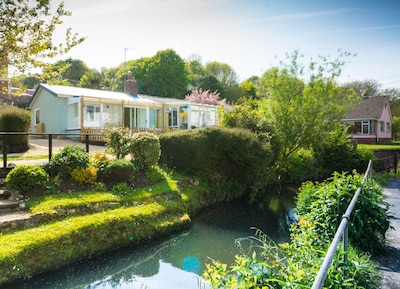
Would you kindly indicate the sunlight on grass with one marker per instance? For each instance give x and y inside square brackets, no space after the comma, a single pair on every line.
[388,146]
[47,204]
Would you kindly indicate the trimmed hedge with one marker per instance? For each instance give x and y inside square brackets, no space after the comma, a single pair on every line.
[230,160]
[14,119]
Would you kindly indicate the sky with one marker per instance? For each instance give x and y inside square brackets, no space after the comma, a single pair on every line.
[249,35]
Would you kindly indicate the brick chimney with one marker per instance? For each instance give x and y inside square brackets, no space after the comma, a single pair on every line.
[131,86]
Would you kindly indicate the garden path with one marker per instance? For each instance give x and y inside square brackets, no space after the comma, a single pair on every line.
[389,264]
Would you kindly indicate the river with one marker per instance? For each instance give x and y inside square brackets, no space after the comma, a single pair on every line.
[178,261]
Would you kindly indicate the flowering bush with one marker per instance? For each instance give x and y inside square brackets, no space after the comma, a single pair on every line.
[84,175]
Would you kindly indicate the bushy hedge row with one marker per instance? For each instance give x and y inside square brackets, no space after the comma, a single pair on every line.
[324,204]
[230,160]
[14,119]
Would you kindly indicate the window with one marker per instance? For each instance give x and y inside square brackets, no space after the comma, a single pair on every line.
[388,127]
[382,126]
[172,116]
[365,127]
[73,115]
[154,117]
[92,115]
[111,115]
[37,116]
[135,117]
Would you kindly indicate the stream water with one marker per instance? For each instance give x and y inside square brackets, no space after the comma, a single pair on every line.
[178,261]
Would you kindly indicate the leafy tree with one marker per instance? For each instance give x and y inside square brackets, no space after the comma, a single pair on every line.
[393,93]
[206,97]
[365,88]
[223,72]
[249,87]
[210,82]
[396,128]
[304,102]
[91,79]
[196,71]
[26,32]
[68,71]
[164,75]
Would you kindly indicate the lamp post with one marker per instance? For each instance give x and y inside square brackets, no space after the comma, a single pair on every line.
[125,49]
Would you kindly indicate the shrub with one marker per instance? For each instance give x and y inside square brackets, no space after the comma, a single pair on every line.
[230,160]
[327,201]
[156,174]
[121,189]
[335,152]
[119,171]
[14,119]
[145,149]
[29,180]
[118,141]
[67,160]
[84,175]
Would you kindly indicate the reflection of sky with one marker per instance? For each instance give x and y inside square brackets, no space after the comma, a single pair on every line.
[171,277]
[167,277]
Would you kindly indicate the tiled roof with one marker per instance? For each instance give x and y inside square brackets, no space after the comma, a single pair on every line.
[368,108]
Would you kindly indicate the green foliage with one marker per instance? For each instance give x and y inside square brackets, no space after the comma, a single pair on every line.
[30,26]
[155,174]
[29,180]
[264,264]
[164,75]
[67,160]
[326,202]
[14,119]
[300,167]
[84,175]
[396,128]
[118,141]
[119,171]
[335,152]
[145,149]
[50,246]
[121,189]
[304,101]
[230,160]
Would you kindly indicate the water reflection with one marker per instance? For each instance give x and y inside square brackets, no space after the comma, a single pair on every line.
[179,261]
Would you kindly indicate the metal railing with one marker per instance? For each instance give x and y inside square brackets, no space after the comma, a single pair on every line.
[84,138]
[342,231]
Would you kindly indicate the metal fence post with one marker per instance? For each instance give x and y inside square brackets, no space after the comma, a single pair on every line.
[50,146]
[4,137]
[87,142]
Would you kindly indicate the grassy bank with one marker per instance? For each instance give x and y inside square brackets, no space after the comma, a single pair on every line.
[78,225]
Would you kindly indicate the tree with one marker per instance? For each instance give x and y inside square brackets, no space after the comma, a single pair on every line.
[196,71]
[164,75]
[68,71]
[91,79]
[249,87]
[304,102]
[365,88]
[206,97]
[26,32]
[223,72]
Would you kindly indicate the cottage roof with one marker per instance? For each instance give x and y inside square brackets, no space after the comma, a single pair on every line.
[166,100]
[368,108]
[70,91]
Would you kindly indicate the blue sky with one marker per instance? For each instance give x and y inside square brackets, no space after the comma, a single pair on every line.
[249,35]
